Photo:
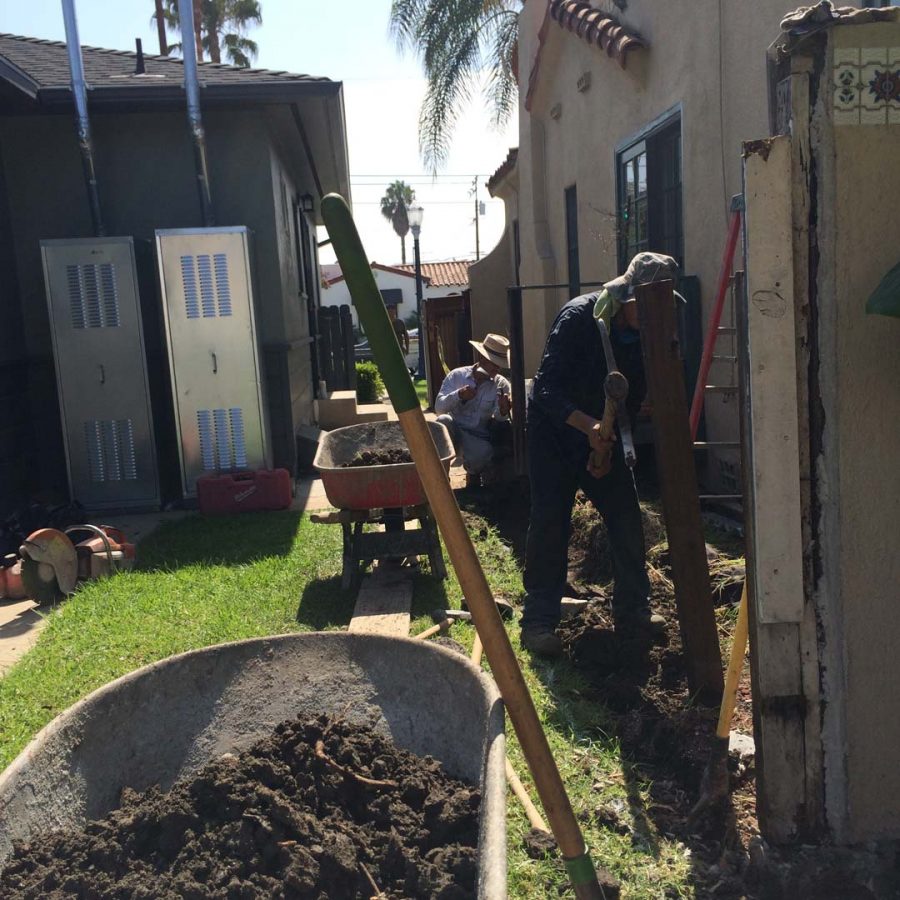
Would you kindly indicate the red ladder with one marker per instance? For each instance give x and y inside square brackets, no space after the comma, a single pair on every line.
[701,388]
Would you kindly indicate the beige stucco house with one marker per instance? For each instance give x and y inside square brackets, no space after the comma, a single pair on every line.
[632,114]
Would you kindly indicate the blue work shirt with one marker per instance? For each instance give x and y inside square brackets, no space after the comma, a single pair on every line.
[571,375]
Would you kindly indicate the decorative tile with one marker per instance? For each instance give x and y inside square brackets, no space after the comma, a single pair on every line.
[866,86]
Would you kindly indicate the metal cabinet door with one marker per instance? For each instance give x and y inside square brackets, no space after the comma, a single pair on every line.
[213,358]
[101,371]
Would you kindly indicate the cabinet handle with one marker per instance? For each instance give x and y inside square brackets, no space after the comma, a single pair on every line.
[215,364]
[102,374]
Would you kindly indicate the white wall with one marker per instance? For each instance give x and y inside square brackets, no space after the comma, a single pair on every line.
[338,294]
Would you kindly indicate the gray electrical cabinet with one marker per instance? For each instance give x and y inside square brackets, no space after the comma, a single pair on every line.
[213,358]
[101,371]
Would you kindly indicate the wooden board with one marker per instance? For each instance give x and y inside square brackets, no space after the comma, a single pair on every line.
[773,438]
[678,486]
[383,604]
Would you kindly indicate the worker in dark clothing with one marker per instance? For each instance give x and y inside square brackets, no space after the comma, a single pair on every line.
[564,412]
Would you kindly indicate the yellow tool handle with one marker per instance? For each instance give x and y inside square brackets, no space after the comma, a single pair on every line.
[435,629]
[735,667]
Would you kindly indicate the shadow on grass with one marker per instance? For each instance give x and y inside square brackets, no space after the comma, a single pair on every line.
[504,506]
[219,540]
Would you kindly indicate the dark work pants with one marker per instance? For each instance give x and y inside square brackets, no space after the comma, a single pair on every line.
[554,481]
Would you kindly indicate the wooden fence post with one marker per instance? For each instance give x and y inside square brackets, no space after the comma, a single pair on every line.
[678,485]
[347,345]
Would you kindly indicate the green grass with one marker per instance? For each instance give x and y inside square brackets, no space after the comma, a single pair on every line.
[205,581]
[422,392]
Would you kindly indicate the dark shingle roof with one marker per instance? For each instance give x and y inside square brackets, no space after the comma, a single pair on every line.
[40,68]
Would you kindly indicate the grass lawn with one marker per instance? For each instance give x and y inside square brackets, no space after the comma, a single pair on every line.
[205,581]
[422,391]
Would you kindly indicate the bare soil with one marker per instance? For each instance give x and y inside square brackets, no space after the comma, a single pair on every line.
[381,457]
[320,809]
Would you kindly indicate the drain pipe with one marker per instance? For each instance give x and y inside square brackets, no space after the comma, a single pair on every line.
[82,121]
[192,92]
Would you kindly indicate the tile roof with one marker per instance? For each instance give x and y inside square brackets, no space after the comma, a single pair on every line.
[596,27]
[331,272]
[445,274]
[590,24]
[503,170]
[41,67]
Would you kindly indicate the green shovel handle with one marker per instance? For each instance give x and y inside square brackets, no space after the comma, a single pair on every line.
[368,302]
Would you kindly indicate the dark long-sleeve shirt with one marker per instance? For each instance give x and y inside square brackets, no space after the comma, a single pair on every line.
[572,372]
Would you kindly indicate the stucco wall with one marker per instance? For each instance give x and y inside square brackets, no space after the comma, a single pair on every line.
[338,294]
[862,491]
[713,71]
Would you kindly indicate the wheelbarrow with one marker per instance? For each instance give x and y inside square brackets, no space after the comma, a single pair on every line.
[166,721]
[383,494]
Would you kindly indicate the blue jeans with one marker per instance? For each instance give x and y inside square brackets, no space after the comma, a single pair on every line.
[555,477]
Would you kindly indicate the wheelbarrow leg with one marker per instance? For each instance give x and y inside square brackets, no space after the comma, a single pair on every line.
[349,563]
[435,556]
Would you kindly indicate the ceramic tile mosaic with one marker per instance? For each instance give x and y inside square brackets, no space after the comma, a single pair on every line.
[867,86]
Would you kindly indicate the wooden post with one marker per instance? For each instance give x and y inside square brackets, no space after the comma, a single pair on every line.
[517,378]
[678,485]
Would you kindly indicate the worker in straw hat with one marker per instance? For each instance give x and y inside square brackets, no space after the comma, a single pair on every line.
[564,412]
[472,401]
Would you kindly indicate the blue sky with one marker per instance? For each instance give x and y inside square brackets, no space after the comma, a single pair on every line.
[349,42]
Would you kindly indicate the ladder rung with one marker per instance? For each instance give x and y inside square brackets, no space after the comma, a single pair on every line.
[727,329]
[717,445]
[721,496]
[721,388]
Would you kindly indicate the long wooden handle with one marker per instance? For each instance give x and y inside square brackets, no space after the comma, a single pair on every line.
[735,667]
[435,629]
[531,811]
[480,599]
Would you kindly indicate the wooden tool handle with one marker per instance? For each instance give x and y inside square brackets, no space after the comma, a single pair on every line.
[505,668]
[435,629]
[531,811]
[735,667]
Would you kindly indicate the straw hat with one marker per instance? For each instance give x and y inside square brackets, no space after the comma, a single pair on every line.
[494,348]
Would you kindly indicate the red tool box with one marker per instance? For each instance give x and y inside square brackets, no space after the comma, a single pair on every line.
[220,495]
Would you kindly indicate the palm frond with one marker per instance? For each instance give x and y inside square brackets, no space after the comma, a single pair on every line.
[458,41]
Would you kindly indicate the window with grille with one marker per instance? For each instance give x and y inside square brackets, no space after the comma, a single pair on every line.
[572,257]
[93,298]
[207,287]
[650,195]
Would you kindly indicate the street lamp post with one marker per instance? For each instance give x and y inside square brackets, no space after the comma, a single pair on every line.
[415,213]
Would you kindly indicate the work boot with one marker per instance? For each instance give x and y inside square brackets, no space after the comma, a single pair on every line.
[543,641]
[651,624]
[472,481]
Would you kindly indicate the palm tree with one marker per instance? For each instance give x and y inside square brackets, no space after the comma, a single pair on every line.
[396,200]
[219,24]
[459,42]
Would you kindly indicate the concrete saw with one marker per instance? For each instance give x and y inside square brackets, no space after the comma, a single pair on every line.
[49,565]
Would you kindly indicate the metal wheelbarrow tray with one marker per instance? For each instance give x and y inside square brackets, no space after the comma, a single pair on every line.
[373,487]
[165,721]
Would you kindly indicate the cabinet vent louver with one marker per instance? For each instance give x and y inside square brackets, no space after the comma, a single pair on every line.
[222,443]
[207,290]
[93,297]
[110,449]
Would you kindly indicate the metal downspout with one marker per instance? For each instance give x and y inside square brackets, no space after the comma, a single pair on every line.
[82,121]
[192,93]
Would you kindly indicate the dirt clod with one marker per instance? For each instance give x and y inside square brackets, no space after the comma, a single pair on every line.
[382,457]
[539,844]
[319,809]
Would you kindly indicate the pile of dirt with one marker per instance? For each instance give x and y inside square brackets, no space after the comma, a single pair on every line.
[383,457]
[319,809]
[590,561]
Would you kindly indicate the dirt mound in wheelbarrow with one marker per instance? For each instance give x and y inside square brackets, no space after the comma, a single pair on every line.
[319,809]
[386,457]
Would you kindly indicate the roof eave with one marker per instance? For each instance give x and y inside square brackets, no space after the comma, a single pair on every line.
[214,94]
